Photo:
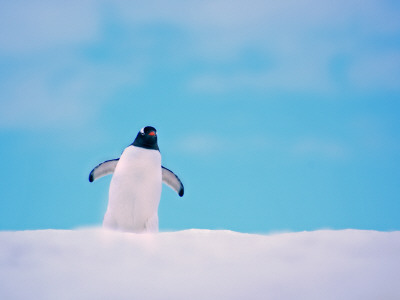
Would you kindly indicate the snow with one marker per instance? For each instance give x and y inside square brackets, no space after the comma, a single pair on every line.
[96,263]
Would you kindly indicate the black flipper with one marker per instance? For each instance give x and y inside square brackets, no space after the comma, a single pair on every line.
[103,169]
[170,179]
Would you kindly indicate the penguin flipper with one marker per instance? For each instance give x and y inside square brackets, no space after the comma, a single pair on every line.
[103,169]
[173,181]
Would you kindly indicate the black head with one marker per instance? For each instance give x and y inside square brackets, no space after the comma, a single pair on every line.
[147,138]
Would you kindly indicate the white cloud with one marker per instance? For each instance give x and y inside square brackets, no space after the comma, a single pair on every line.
[32,104]
[322,148]
[377,71]
[283,78]
[301,37]
[33,26]
[40,39]
[66,91]
[208,144]
[201,144]
[199,264]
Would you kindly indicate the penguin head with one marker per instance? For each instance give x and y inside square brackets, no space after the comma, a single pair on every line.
[146,138]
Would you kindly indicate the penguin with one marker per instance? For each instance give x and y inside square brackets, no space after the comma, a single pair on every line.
[135,187]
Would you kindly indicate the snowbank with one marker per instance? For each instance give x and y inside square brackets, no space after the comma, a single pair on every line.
[199,264]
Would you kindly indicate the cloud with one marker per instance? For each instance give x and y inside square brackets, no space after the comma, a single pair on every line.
[379,71]
[65,91]
[302,38]
[28,27]
[44,83]
[32,104]
[321,148]
[202,144]
[283,78]
[208,144]
[256,46]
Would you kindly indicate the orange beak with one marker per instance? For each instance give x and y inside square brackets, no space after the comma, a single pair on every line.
[152,133]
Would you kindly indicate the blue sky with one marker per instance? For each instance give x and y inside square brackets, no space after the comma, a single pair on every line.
[276,116]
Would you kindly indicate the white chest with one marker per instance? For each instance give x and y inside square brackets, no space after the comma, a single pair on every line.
[135,189]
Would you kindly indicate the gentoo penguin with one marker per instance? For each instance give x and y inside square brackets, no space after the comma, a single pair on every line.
[135,187]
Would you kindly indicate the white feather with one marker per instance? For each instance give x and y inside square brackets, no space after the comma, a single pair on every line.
[135,191]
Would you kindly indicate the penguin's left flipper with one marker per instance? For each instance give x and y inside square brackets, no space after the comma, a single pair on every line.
[103,169]
[173,181]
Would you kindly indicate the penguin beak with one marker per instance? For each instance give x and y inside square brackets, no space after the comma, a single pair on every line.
[152,133]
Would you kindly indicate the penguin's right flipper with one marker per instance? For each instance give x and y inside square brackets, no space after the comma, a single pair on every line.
[103,169]
[173,181]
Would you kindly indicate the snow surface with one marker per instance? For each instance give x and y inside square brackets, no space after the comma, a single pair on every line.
[199,264]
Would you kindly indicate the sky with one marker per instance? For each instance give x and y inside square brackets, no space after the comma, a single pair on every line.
[199,264]
[276,116]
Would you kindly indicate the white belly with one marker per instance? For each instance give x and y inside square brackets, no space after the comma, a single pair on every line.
[135,191]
